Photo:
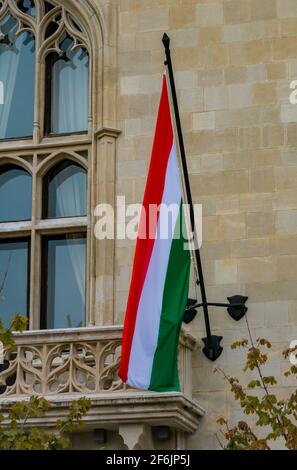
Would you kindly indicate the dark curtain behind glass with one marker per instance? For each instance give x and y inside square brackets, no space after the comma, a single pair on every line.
[70,90]
[66,188]
[14,258]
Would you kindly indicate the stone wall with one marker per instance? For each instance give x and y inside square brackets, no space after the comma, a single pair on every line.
[234,62]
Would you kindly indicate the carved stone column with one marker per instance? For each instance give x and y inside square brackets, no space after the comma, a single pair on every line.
[103,250]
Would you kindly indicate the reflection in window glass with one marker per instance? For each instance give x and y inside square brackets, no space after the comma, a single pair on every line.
[14,279]
[15,194]
[17,65]
[70,90]
[65,282]
[65,191]
[28,7]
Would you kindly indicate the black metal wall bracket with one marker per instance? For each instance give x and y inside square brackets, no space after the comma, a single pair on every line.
[212,347]
[236,309]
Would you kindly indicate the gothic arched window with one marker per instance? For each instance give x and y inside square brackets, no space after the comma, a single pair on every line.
[42,47]
[45,153]
[17,74]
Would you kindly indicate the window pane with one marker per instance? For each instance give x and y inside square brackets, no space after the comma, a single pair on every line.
[27,6]
[17,66]
[14,279]
[66,282]
[70,90]
[66,188]
[15,194]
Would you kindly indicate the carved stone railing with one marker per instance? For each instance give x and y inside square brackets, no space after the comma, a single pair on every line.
[83,361]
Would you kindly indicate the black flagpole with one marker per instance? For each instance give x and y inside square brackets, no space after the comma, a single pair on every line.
[212,348]
[236,306]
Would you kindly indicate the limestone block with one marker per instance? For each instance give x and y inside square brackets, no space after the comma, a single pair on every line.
[209,14]
[288,113]
[227,204]
[250,247]
[225,271]
[286,177]
[286,222]
[135,62]
[256,72]
[181,16]
[236,11]
[284,48]
[154,19]
[264,94]
[250,137]
[292,135]
[212,77]
[235,75]
[286,8]
[260,223]
[243,32]
[240,96]
[238,160]
[283,244]
[262,180]
[186,79]
[132,169]
[263,10]
[203,121]
[191,100]
[287,267]
[285,200]
[267,157]
[210,35]
[215,97]
[276,70]
[232,226]
[251,52]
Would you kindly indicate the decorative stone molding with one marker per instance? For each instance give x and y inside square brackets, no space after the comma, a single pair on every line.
[83,361]
[64,365]
[111,410]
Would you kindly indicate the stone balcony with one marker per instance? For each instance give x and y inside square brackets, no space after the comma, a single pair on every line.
[63,365]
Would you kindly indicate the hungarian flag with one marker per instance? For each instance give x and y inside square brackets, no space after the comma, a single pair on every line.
[160,279]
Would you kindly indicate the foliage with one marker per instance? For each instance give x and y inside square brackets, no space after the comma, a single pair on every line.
[15,434]
[276,417]
[18,324]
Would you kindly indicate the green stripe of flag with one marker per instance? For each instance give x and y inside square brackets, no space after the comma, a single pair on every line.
[165,364]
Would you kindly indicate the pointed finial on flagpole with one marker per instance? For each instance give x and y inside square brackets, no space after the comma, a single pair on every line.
[166,41]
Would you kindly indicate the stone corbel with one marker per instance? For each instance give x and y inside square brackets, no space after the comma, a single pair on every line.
[137,436]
